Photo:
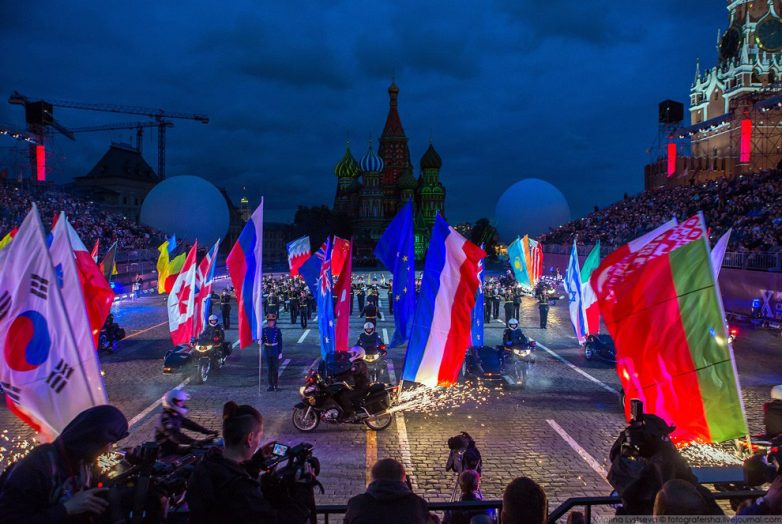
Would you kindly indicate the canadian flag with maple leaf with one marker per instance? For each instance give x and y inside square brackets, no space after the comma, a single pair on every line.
[181,301]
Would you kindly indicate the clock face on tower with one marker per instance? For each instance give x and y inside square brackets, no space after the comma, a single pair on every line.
[730,43]
[768,34]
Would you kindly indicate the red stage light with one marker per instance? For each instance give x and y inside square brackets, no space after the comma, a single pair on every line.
[671,159]
[746,141]
[40,163]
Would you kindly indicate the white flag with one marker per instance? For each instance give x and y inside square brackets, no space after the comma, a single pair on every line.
[65,267]
[718,253]
[181,301]
[575,297]
[42,370]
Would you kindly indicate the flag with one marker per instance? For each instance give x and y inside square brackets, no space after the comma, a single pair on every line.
[668,324]
[525,249]
[66,267]
[94,252]
[44,371]
[174,267]
[718,253]
[298,252]
[575,297]
[536,261]
[310,269]
[245,268]
[162,267]
[396,250]
[6,240]
[181,301]
[519,263]
[96,290]
[591,307]
[339,253]
[477,312]
[342,290]
[204,279]
[107,264]
[441,324]
[617,259]
[326,305]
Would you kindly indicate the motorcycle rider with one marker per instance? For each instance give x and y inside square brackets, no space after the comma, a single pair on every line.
[271,338]
[359,373]
[772,414]
[214,332]
[369,339]
[168,432]
[513,336]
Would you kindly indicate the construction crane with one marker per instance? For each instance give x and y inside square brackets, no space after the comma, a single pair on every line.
[138,126]
[160,116]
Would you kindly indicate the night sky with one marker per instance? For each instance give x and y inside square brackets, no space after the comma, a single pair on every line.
[561,90]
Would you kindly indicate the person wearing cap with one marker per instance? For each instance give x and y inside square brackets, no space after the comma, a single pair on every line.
[370,312]
[304,309]
[271,339]
[53,483]
[772,414]
[360,295]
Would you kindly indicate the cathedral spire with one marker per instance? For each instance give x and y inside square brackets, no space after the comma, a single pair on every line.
[697,70]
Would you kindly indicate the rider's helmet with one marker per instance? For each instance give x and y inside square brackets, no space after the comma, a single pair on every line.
[369,327]
[175,400]
[513,323]
[357,353]
[213,320]
[776,392]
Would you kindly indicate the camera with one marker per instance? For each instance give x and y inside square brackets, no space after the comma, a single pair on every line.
[761,468]
[290,475]
[143,482]
[647,433]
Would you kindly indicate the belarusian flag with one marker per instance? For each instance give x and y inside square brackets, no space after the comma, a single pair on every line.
[588,297]
[665,314]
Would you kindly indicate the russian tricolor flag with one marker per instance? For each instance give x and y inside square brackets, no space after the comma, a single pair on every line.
[244,268]
[442,320]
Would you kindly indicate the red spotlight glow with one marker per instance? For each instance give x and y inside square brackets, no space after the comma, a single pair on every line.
[40,163]
[671,159]
[746,141]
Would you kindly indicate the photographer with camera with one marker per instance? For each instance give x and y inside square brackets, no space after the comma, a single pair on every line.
[53,483]
[643,458]
[226,487]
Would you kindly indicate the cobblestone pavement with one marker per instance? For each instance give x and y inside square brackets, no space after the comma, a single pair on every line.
[558,430]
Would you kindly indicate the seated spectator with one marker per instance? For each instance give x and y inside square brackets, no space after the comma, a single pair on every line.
[524,502]
[388,499]
[679,497]
[469,484]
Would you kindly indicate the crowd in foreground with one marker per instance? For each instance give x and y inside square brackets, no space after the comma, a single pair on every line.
[750,204]
[241,480]
[90,220]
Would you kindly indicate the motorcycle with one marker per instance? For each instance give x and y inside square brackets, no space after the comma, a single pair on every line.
[318,404]
[107,342]
[600,346]
[377,364]
[199,357]
[506,366]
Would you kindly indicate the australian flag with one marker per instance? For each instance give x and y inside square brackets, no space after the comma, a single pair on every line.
[477,312]
[325,304]
[396,250]
[310,270]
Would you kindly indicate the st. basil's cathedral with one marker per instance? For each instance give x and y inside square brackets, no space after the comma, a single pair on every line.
[371,191]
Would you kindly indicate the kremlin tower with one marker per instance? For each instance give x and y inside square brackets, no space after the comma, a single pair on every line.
[372,191]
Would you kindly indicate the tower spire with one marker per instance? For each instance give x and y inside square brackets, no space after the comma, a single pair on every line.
[697,69]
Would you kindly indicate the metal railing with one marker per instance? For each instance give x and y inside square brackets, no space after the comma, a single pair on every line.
[559,512]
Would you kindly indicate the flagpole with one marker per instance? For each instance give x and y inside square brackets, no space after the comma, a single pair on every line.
[260,365]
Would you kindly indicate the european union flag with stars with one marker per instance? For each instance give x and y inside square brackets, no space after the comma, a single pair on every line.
[396,250]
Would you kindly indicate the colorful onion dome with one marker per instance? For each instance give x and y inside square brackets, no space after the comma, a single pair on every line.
[347,167]
[431,160]
[371,163]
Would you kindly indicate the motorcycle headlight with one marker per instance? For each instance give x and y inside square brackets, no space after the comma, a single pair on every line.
[301,391]
[521,352]
[203,348]
[371,358]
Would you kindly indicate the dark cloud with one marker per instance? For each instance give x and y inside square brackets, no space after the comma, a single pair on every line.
[559,90]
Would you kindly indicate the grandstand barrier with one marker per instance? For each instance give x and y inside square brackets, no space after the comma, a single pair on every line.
[559,512]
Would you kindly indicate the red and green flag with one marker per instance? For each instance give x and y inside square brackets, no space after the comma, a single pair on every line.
[588,296]
[666,316]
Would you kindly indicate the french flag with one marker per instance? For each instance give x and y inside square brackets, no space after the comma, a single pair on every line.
[442,321]
[244,268]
